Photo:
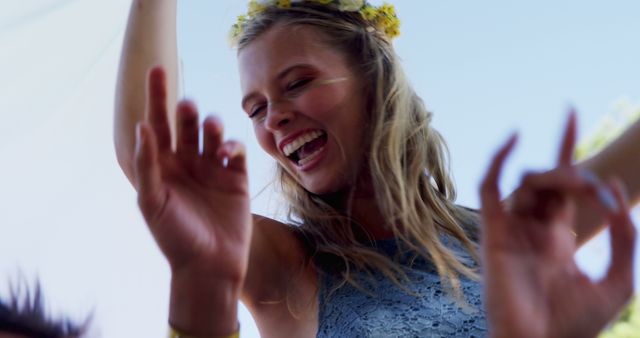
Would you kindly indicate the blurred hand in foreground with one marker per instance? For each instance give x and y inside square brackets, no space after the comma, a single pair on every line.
[533,287]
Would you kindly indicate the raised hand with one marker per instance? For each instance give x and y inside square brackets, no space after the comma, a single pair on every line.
[533,287]
[196,205]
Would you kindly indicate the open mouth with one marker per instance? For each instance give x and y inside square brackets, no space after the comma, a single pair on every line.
[306,148]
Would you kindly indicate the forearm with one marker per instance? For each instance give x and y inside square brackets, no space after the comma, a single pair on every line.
[620,159]
[150,40]
[204,307]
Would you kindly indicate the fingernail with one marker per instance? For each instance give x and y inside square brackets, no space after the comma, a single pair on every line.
[139,136]
[603,192]
[589,177]
[618,185]
[606,197]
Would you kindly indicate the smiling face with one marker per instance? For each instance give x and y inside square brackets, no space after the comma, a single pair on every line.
[306,104]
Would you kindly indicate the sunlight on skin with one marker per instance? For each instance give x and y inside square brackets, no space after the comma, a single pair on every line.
[60,171]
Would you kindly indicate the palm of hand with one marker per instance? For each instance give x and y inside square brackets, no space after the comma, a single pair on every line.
[194,201]
[205,216]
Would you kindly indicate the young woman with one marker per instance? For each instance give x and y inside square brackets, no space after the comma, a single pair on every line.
[376,244]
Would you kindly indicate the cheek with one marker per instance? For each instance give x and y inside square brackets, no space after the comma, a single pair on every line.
[339,109]
[266,141]
[323,104]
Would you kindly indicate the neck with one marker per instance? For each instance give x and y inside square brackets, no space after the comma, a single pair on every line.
[361,205]
[366,212]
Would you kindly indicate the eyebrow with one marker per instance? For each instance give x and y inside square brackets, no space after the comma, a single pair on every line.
[279,77]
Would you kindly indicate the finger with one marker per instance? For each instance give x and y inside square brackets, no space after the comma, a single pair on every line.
[491,208]
[618,282]
[147,171]
[235,153]
[567,179]
[541,195]
[213,131]
[187,146]
[156,107]
[622,229]
[567,147]
[605,197]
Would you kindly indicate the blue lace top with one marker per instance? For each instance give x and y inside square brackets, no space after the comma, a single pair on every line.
[388,311]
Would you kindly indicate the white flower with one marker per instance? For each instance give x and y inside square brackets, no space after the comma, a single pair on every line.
[350,5]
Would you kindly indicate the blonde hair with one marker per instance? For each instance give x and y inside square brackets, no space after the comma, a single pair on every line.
[407,161]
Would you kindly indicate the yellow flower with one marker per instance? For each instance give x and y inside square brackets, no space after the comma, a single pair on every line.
[393,31]
[387,9]
[394,22]
[256,8]
[382,22]
[369,13]
[234,34]
[383,18]
[284,3]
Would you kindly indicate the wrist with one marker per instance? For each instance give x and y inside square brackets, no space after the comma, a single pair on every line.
[173,333]
[204,306]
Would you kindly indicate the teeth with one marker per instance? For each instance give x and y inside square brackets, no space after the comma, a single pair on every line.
[300,141]
[309,158]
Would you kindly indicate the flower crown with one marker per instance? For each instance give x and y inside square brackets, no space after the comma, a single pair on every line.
[382,18]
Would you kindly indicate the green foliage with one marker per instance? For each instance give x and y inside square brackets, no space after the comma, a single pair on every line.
[627,325]
[622,115]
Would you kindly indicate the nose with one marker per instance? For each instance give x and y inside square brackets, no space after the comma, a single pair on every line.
[279,114]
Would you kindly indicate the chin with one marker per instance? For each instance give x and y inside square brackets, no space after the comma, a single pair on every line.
[329,188]
[317,188]
[330,183]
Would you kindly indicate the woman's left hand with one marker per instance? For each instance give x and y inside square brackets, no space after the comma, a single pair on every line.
[533,287]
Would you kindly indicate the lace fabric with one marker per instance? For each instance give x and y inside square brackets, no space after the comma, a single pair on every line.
[385,310]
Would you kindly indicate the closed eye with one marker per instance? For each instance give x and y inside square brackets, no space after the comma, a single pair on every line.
[297,85]
[256,111]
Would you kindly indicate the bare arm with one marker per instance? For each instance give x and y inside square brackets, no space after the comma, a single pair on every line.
[619,159]
[280,289]
[196,296]
[150,40]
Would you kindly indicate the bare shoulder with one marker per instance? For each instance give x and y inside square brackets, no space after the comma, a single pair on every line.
[277,255]
[280,287]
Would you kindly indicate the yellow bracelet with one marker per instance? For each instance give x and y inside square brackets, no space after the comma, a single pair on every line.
[173,333]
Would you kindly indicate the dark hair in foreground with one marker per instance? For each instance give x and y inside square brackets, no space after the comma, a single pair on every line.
[27,317]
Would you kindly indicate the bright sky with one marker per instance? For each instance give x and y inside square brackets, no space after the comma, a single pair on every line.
[69,217]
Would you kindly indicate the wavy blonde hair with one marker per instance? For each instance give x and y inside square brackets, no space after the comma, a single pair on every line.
[407,161]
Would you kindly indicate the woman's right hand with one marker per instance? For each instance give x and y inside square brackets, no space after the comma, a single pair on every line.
[196,203]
